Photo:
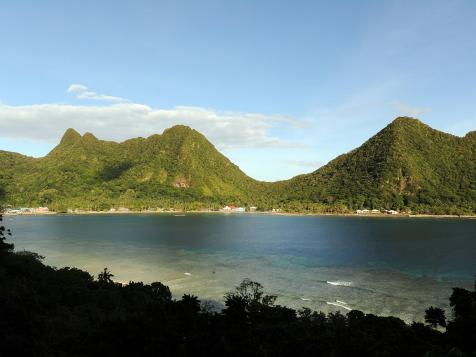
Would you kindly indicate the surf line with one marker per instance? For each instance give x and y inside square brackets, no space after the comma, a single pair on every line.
[339,283]
[339,304]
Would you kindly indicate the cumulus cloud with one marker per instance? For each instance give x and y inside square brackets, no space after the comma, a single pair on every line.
[83,92]
[120,121]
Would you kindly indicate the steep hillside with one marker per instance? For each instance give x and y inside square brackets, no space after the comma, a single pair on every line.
[178,167]
[406,165]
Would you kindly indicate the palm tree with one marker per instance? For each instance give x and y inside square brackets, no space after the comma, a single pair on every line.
[104,278]
[435,316]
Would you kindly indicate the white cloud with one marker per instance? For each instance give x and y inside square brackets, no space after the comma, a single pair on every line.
[408,110]
[83,92]
[120,121]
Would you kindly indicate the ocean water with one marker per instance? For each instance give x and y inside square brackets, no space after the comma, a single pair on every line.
[386,266]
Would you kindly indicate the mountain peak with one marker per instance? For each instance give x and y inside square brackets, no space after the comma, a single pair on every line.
[178,129]
[399,121]
[406,126]
[89,137]
[70,136]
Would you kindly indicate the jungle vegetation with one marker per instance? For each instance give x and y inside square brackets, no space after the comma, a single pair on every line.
[407,166]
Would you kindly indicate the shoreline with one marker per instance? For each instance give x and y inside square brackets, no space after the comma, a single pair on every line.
[298,214]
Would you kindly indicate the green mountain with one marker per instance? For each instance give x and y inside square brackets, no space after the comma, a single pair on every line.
[178,168]
[406,166]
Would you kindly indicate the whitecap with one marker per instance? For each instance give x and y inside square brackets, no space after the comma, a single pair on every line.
[339,283]
[338,305]
[187,274]
[341,302]
[305,299]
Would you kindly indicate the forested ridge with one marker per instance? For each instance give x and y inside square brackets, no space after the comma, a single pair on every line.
[407,166]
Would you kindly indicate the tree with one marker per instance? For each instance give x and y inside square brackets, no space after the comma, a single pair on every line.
[104,278]
[246,302]
[435,316]
[161,291]
[251,292]
[5,247]
[462,329]
[190,304]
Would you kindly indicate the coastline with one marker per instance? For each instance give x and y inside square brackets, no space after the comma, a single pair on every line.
[264,213]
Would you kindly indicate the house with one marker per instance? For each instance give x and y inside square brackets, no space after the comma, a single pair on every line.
[374,211]
[253,209]
[232,208]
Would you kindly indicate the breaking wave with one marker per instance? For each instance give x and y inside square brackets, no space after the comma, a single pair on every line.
[339,283]
[339,304]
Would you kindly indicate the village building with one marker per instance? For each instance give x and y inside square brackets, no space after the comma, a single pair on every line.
[232,208]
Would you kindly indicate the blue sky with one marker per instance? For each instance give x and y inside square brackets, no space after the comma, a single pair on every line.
[280,87]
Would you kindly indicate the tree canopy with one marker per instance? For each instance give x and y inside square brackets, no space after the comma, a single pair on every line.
[407,166]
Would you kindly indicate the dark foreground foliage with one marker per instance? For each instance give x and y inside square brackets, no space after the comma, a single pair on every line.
[66,312]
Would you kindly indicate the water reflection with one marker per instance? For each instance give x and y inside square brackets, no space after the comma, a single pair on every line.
[393,266]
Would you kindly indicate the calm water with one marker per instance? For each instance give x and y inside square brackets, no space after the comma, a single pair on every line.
[388,266]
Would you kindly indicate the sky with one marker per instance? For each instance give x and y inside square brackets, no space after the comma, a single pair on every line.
[279,87]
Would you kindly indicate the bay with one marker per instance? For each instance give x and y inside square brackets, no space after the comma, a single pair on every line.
[387,266]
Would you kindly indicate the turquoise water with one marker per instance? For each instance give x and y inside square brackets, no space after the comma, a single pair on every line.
[387,266]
